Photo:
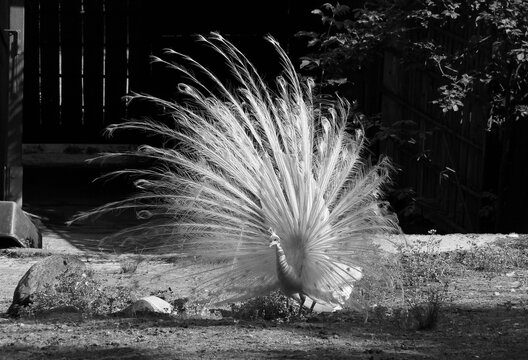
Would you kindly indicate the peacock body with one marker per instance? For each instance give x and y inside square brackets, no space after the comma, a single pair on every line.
[266,184]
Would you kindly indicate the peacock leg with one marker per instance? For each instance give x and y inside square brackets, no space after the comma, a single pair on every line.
[313,305]
[303,299]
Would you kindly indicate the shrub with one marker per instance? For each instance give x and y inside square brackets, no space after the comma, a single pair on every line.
[81,291]
[494,30]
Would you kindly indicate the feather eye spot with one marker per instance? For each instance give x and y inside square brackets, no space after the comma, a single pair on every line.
[144,214]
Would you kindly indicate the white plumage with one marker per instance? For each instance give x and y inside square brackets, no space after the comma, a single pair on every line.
[249,159]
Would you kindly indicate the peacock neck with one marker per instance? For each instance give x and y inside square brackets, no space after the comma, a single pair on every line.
[282,263]
[288,279]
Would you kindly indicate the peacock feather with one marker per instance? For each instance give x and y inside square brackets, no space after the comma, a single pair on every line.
[254,163]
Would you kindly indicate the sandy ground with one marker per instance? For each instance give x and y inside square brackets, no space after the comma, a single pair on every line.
[487,319]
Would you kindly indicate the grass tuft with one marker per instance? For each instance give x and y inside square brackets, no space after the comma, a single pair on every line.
[274,306]
[495,257]
[129,265]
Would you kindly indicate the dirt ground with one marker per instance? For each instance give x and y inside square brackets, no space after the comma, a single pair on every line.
[487,319]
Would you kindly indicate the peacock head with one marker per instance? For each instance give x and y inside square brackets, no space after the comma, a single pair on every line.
[274,238]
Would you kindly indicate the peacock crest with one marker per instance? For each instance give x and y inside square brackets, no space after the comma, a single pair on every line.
[263,181]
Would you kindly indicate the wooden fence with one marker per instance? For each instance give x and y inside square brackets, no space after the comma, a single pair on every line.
[82,57]
[445,164]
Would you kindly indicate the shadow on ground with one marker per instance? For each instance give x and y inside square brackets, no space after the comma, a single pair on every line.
[494,333]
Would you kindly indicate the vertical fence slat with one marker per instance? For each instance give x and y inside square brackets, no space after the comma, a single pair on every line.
[49,29]
[141,34]
[71,64]
[93,29]
[32,119]
[116,61]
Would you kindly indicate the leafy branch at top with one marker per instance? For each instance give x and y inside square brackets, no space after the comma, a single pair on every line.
[489,58]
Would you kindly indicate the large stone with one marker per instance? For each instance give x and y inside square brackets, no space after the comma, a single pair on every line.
[42,274]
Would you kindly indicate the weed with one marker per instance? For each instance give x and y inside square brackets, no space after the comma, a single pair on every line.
[495,257]
[425,275]
[423,307]
[130,264]
[378,290]
[412,286]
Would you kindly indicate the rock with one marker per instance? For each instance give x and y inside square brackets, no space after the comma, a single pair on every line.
[148,304]
[44,273]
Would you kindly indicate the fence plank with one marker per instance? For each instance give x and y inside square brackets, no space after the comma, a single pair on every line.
[71,69]
[140,35]
[116,60]
[50,98]
[93,29]
[32,116]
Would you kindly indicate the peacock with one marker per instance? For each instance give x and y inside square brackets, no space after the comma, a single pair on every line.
[271,186]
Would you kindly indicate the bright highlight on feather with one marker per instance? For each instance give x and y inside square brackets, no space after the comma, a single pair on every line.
[264,183]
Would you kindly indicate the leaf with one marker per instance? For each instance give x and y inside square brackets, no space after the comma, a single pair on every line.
[313,42]
[309,63]
[332,40]
[311,34]
[304,64]
[328,6]
[337,81]
[341,9]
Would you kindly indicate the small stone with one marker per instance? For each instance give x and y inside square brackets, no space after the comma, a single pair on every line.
[152,304]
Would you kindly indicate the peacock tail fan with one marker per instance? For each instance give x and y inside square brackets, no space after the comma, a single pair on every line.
[247,159]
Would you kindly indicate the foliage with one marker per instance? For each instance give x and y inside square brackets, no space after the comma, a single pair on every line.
[81,292]
[491,50]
